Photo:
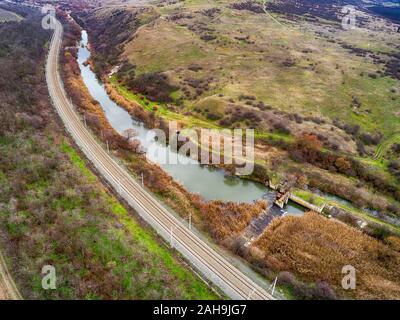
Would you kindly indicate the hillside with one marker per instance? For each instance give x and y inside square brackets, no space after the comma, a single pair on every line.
[6,16]
[295,72]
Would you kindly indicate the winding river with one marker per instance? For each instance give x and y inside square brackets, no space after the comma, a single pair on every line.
[210,183]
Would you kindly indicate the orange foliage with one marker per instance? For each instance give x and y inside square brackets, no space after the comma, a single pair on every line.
[342,164]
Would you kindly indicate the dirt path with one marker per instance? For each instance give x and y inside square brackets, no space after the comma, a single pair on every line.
[8,289]
[384,147]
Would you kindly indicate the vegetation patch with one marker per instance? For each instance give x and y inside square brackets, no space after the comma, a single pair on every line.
[310,248]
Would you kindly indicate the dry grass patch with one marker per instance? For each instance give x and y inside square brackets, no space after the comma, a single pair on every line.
[316,248]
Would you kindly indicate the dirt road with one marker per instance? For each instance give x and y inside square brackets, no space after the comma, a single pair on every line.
[8,289]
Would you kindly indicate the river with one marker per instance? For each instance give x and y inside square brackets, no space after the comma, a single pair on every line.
[211,183]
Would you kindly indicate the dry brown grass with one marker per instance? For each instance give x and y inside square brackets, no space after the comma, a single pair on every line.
[315,248]
[226,220]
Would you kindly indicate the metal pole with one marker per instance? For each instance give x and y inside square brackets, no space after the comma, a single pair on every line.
[84,120]
[190,221]
[273,288]
[108,147]
[142,181]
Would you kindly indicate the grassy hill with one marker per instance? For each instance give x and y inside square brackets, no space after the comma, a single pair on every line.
[293,66]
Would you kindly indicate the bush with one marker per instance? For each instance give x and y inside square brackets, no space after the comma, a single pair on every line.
[281,127]
[248,5]
[213,116]
[321,290]
[155,86]
[351,129]
[394,167]
[371,139]
[396,148]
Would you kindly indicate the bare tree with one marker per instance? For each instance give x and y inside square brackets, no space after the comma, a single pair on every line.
[128,134]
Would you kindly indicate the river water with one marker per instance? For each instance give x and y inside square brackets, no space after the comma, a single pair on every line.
[210,183]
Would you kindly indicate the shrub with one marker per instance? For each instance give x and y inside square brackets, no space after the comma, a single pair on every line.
[396,148]
[155,86]
[281,127]
[371,139]
[208,37]
[213,116]
[351,129]
[321,290]
[248,5]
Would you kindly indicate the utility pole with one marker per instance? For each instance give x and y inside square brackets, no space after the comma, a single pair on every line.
[251,293]
[108,147]
[273,285]
[84,120]
[190,221]
[142,180]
